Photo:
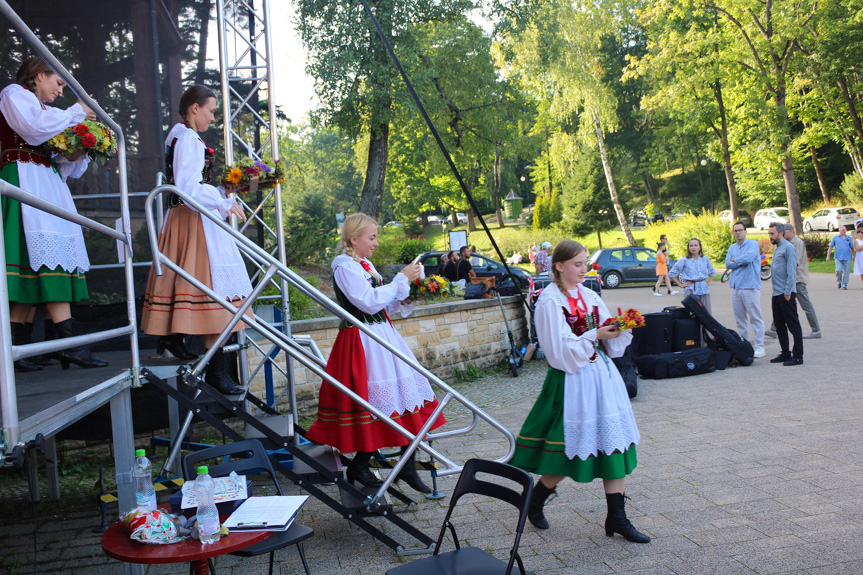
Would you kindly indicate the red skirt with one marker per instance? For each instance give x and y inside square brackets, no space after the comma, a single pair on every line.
[343,423]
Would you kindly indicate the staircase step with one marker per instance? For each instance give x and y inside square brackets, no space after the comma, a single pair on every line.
[283,425]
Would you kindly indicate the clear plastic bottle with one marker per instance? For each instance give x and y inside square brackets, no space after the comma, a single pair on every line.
[209,527]
[142,473]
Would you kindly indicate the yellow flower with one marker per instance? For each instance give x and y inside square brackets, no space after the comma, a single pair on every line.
[106,143]
[61,142]
[235,176]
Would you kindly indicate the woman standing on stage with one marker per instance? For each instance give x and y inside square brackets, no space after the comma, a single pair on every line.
[367,368]
[45,255]
[581,425]
[173,306]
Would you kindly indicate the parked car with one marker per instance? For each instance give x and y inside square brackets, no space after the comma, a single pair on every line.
[486,267]
[831,218]
[393,224]
[617,266]
[640,218]
[676,216]
[764,217]
[742,217]
[432,219]
[462,218]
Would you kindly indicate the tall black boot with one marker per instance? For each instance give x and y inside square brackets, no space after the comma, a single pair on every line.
[540,495]
[359,470]
[410,476]
[27,337]
[18,338]
[218,378]
[175,344]
[81,356]
[616,521]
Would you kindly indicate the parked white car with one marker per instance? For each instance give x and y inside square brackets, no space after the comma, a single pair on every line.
[764,217]
[462,218]
[831,218]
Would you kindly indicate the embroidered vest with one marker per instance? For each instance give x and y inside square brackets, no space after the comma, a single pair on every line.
[173,200]
[13,148]
[366,318]
[579,325]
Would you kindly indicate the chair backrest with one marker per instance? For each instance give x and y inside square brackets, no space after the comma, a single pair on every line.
[246,456]
[468,482]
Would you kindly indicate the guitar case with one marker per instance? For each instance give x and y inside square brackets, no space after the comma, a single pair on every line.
[718,336]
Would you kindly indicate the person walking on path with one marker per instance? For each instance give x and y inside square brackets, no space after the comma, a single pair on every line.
[844,248]
[744,259]
[784,301]
[858,253]
[541,262]
[802,281]
[582,425]
[662,270]
[694,273]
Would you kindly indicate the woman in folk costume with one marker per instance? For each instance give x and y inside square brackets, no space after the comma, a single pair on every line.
[367,368]
[45,255]
[581,425]
[172,306]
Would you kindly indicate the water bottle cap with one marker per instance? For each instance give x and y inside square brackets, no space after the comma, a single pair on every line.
[202,470]
[140,453]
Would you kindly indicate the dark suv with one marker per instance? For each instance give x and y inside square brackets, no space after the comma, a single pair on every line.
[485,267]
[617,266]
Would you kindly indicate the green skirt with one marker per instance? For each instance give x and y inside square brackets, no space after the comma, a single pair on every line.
[25,284]
[539,447]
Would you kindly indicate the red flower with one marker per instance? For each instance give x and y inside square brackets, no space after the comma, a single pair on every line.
[81,129]
[366,265]
[211,151]
[88,140]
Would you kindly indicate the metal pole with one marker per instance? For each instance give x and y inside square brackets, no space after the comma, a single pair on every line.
[8,394]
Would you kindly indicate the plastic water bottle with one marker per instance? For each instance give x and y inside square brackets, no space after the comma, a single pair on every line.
[209,527]
[142,472]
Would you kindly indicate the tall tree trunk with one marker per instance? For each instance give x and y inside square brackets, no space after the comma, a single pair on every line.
[852,108]
[726,151]
[612,189]
[204,14]
[548,162]
[821,184]
[376,171]
[853,153]
[498,176]
[792,194]
[645,178]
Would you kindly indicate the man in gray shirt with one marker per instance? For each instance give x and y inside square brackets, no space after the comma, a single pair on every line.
[784,301]
[802,291]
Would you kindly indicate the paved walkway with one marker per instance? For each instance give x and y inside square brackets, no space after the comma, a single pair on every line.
[743,471]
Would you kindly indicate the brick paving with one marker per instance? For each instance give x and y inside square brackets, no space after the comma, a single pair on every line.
[743,471]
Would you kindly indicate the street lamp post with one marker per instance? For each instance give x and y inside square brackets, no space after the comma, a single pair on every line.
[710,179]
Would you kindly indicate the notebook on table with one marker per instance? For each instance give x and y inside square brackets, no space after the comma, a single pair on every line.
[270,513]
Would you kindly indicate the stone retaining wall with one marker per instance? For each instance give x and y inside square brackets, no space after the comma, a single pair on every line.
[444,337]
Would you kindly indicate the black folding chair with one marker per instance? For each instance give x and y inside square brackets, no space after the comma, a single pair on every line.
[472,560]
[243,457]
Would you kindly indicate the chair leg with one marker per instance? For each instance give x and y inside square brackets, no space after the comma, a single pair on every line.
[303,557]
[271,561]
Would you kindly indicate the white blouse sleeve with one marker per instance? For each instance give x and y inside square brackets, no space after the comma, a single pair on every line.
[29,120]
[563,349]
[69,169]
[613,347]
[356,287]
[188,165]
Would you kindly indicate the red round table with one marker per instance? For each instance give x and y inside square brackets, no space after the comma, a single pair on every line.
[117,545]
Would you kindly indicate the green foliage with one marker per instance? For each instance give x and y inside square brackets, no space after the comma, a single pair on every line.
[650,210]
[412,247]
[309,228]
[852,188]
[547,211]
[816,246]
[715,236]
[400,249]
[302,306]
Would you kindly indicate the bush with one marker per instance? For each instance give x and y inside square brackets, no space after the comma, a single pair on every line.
[852,188]
[402,249]
[816,246]
[302,306]
[715,236]
[412,247]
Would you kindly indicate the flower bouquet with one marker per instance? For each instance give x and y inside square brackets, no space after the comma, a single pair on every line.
[249,175]
[432,287]
[93,138]
[629,319]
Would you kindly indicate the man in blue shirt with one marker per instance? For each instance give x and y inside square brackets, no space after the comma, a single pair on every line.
[784,301]
[844,253]
[744,259]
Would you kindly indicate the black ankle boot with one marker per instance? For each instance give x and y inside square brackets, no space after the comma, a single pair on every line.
[616,521]
[359,470]
[81,356]
[410,476]
[18,338]
[217,376]
[541,493]
[176,345]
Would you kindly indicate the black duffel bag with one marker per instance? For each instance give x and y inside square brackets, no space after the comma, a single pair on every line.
[507,287]
[678,364]
[476,291]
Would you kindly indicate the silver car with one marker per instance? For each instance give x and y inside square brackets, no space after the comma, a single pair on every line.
[831,218]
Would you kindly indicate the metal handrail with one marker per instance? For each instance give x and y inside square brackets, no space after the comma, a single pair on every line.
[259,254]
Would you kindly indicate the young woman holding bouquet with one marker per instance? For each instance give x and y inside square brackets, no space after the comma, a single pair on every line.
[172,306]
[363,365]
[45,255]
[581,425]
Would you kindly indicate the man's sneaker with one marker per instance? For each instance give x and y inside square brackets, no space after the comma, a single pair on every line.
[845,287]
[770,333]
[793,361]
[657,294]
[813,335]
[759,352]
[781,358]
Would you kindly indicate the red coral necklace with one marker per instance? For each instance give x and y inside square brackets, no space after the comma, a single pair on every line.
[577,305]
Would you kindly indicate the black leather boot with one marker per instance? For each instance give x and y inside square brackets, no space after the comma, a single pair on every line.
[175,343]
[81,356]
[616,521]
[359,470]
[27,337]
[18,338]
[410,476]
[540,495]
[218,378]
